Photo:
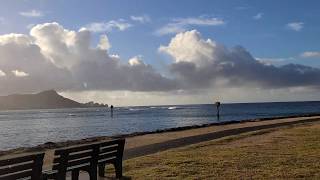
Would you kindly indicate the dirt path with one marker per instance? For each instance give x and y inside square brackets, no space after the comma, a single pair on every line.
[183,141]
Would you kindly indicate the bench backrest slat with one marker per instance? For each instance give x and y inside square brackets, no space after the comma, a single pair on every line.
[16,160]
[86,161]
[67,159]
[111,151]
[17,168]
[74,156]
[29,166]
[112,155]
[74,149]
[20,175]
[108,149]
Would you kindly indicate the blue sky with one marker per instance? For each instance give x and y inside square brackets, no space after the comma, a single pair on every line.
[267,37]
[273,32]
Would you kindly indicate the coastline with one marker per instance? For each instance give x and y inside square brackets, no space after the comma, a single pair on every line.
[54,145]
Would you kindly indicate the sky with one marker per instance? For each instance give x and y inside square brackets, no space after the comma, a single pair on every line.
[162,52]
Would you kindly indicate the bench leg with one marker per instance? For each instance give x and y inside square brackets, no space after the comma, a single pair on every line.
[61,176]
[75,175]
[93,173]
[44,177]
[118,167]
[102,170]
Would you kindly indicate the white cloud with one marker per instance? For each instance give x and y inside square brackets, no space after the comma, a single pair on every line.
[19,73]
[104,43]
[19,39]
[53,57]
[170,28]
[120,25]
[2,74]
[141,19]
[189,47]
[203,63]
[32,13]
[136,61]
[181,24]
[258,16]
[310,54]
[295,26]
[275,61]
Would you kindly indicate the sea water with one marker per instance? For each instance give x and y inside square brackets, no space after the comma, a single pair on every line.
[25,128]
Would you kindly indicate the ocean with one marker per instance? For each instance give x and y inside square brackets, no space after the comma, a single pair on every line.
[26,128]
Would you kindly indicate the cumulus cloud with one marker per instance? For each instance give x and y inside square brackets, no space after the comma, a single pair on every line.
[181,24]
[200,63]
[136,61]
[104,43]
[310,54]
[32,13]
[53,57]
[295,26]
[120,25]
[141,19]
[19,54]
[189,47]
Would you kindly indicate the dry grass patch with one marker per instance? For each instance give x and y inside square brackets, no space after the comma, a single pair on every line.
[289,153]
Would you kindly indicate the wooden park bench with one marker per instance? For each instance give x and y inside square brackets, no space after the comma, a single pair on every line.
[23,167]
[87,158]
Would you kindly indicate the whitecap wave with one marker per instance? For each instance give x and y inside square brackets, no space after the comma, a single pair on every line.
[136,109]
[172,107]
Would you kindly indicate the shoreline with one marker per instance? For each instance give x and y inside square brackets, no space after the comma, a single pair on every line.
[54,145]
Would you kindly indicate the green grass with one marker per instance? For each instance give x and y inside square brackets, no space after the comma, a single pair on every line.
[290,153]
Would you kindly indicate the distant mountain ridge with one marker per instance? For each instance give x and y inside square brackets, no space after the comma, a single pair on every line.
[44,100]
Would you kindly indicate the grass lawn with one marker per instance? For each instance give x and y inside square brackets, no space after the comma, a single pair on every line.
[286,153]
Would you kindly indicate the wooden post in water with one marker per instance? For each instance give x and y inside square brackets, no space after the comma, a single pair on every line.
[111,111]
[218,109]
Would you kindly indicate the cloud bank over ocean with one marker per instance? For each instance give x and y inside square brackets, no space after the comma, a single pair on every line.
[52,57]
